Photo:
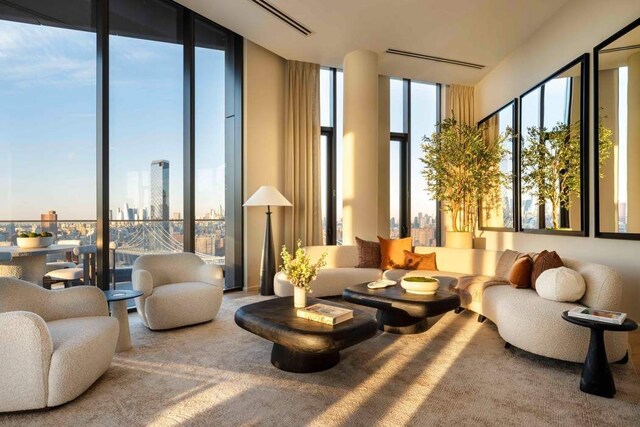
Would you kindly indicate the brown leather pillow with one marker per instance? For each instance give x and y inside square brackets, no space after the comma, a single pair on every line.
[544,261]
[414,261]
[520,274]
[368,254]
[392,252]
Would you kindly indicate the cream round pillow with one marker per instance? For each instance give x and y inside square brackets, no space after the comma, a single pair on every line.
[561,284]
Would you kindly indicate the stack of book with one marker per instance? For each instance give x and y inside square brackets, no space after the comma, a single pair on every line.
[323,313]
[605,316]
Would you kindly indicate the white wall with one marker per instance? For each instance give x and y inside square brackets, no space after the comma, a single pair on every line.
[575,29]
[263,157]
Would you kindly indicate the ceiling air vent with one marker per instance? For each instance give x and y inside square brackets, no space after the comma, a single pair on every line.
[435,58]
[618,49]
[283,17]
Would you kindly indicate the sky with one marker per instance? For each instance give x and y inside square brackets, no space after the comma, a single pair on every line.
[48,119]
[48,115]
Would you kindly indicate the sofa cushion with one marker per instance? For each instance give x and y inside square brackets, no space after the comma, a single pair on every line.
[561,284]
[368,254]
[181,304]
[392,252]
[82,352]
[414,261]
[506,261]
[520,274]
[330,281]
[544,261]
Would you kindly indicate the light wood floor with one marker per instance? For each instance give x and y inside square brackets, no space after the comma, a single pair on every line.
[634,342]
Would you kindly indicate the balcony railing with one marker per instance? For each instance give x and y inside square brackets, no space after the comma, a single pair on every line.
[132,238]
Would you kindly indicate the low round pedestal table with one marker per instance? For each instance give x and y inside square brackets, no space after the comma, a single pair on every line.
[596,375]
[118,307]
[401,312]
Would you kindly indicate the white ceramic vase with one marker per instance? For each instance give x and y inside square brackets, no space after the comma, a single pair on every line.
[299,297]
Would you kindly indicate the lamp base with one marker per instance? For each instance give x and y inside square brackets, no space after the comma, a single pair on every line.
[268,265]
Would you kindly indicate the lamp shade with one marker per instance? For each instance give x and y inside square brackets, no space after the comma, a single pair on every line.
[267,196]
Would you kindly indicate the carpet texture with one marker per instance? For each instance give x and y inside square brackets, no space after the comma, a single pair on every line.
[457,372]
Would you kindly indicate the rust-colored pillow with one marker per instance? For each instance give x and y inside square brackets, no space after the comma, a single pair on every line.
[368,254]
[520,274]
[414,261]
[544,261]
[392,252]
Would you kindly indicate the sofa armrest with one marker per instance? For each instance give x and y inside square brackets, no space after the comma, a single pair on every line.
[79,301]
[212,274]
[25,350]
[142,281]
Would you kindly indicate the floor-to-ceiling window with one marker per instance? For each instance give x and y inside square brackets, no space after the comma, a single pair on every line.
[424,118]
[145,142]
[47,120]
[210,179]
[331,90]
[414,113]
[148,147]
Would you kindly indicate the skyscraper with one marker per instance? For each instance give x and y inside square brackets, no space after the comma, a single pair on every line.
[160,190]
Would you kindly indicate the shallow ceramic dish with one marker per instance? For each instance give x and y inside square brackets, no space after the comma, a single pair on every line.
[420,285]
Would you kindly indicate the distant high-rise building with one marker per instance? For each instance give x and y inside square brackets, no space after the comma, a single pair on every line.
[160,190]
[49,222]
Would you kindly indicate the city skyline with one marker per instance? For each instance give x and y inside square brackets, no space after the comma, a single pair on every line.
[57,67]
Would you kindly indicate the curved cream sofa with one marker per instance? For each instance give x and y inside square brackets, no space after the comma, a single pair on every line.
[179,290]
[53,344]
[523,318]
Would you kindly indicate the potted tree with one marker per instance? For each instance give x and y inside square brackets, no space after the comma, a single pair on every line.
[462,167]
[551,164]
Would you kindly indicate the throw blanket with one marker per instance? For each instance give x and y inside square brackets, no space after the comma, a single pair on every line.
[481,281]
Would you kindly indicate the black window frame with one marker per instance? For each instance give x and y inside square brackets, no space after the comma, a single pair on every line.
[598,233]
[583,61]
[515,167]
[233,143]
[330,132]
[404,139]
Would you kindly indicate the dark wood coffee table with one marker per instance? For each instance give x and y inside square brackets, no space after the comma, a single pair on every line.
[596,374]
[301,345]
[400,312]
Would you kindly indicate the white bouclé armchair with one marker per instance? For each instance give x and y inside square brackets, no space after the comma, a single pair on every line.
[53,344]
[179,290]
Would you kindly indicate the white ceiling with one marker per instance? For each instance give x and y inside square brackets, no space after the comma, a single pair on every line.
[478,31]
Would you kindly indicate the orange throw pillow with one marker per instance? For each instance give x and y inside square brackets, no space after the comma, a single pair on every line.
[414,261]
[545,261]
[392,252]
[520,274]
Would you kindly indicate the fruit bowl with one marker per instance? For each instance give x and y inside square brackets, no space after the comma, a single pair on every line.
[35,242]
[420,285]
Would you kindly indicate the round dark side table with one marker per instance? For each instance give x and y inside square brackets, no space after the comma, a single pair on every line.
[118,307]
[596,375]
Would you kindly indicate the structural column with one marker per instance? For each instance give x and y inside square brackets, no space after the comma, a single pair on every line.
[633,144]
[360,184]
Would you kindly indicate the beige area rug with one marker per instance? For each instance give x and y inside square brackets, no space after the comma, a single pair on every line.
[457,372]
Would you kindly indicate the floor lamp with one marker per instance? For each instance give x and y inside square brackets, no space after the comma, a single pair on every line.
[267,196]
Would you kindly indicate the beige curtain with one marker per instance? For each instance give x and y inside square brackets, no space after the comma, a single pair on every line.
[302,154]
[460,103]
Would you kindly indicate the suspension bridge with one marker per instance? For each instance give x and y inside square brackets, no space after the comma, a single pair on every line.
[155,238]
